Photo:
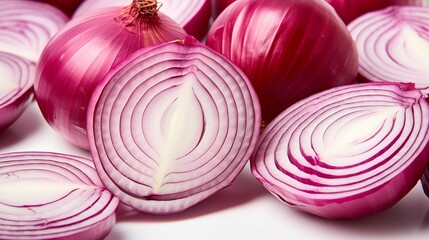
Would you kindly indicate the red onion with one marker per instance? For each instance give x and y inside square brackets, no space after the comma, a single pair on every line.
[26,27]
[83,52]
[192,15]
[349,10]
[16,87]
[289,55]
[171,125]
[346,152]
[393,45]
[425,181]
[53,196]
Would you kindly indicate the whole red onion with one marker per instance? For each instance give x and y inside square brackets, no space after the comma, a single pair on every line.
[78,57]
[289,49]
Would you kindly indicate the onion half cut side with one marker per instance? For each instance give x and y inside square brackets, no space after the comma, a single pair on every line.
[192,15]
[27,26]
[171,125]
[16,87]
[347,152]
[393,45]
[53,196]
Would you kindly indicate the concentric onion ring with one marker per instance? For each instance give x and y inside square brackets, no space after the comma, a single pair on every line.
[172,125]
[393,45]
[27,26]
[16,87]
[347,152]
[53,196]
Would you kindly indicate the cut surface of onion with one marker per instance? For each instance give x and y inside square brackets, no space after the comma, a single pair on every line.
[172,125]
[16,87]
[286,49]
[27,26]
[393,45]
[346,152]
[79,56]
[350,10]
[53,196]
[192,15]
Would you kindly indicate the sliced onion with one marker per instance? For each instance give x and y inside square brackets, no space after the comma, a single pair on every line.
[350,10]
[53,196]
[393,45]
[79,56]
[286,48]
[16,87]
[26,27]
[192,15]
[172,125]
[346,152]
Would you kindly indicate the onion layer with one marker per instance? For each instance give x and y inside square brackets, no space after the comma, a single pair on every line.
[286,49]
[53,196]
[171,125]
[16,87]
[26,27]
[350,10]
[393,45]
[192,15]
[347,152]
[78,57]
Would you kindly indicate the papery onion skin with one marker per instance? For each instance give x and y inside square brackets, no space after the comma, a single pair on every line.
[172,125]
[350,10]
[83,210]
[347,152]
[77,58]
[27,26]
[289,55]
[193,15]
[393,45]
[425,182]
[16,87]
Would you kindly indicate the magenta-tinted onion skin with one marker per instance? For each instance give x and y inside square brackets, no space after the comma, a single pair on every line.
[172,125]
[220,5]
[77,58]
[347,152]
[289,49]
[393,45]
[16,87]
[349,10]
[53,196]
[193,15]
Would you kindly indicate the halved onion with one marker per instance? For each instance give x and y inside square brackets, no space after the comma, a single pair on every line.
[192,15]
[53,196]
[393,45]
[16,87]
[27,26]
[171,125]
[346,152]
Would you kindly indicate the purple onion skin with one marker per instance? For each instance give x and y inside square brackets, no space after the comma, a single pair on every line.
[274,145]
[288,56]
[220,5]
[350,10]
[69,71]
[424,181]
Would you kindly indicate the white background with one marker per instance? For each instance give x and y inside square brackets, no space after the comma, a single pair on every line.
[243,211]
